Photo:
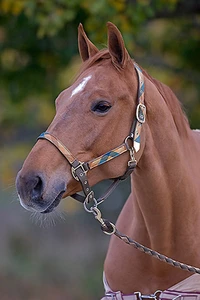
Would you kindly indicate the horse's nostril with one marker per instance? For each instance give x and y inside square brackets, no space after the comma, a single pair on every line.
[35,195]
[37,189]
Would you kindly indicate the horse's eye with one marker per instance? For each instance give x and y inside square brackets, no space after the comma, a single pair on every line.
[101,107]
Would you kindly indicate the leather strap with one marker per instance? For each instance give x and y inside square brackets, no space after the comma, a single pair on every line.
[79,169]
[101,199]
[59,145]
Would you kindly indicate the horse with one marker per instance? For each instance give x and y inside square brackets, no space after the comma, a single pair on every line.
[116,121]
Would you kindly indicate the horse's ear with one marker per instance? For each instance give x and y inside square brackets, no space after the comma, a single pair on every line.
[116,46]
[86,48]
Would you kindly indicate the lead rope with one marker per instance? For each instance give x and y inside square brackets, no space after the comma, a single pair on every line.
[110,229]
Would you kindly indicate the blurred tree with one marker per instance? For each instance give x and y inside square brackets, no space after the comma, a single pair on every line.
[38,58]
[38,40]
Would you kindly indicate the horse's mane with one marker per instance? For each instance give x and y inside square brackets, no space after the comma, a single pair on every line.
[171,100]
[173,104]
[102,54]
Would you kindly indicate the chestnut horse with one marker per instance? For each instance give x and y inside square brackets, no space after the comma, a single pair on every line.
[94,115]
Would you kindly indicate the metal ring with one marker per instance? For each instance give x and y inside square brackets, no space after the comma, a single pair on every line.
[112,227]
[141,113]
[90,210]
[126,142]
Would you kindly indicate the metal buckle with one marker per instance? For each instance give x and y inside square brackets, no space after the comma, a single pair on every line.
[141,297]
[154,296]
[110,295]
[141,113]
[80,165]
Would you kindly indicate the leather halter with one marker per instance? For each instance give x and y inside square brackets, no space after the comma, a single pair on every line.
[79,169]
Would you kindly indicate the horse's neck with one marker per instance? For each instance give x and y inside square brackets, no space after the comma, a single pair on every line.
[165,204]
[162,210]
[166,185]
[165,189]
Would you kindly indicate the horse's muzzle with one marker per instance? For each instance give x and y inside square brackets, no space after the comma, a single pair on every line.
[33,195]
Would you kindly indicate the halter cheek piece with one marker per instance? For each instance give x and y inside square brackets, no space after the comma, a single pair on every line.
[79,169]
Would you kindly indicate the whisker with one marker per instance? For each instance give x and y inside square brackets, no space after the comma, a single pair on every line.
[14,197]
[47,220]
[9,185]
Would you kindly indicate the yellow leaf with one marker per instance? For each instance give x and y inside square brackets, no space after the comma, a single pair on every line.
[12,6]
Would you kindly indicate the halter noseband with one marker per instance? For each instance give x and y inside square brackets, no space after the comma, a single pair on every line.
[79,169]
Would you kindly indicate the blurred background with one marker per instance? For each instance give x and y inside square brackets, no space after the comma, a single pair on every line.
[61,256]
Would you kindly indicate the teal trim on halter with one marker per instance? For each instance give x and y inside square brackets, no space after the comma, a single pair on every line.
[137,140]
[79,169]
[141,90]
[140,110]
[42,135]
[108,156]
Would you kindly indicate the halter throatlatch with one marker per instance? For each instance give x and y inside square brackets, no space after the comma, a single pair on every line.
[131,143]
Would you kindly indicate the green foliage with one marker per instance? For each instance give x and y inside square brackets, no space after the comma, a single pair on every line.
[38,58]
[38,43]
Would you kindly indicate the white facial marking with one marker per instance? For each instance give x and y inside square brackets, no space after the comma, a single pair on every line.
[81,85]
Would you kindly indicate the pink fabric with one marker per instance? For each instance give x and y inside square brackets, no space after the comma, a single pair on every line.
[188,289]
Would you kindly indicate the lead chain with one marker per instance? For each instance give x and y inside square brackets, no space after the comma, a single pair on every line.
[156,254]
[110,229]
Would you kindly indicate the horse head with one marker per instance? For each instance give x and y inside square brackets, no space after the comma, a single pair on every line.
[93,116]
